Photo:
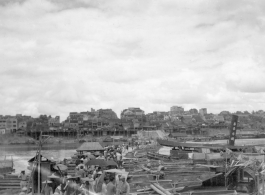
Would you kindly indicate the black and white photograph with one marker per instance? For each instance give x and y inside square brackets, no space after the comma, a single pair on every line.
[132,97]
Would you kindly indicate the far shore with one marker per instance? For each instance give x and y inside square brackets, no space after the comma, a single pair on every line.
[44,147]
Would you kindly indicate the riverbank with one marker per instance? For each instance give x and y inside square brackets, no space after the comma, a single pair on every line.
[15,140]
[11,139]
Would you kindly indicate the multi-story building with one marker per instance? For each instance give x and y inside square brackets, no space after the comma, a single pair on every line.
[107,113]
[22,124]
[11,124]
[193,111]
[75,115]
[87,115]
[54,121]
[176,110]
[132,113]
[203,111]
[2,123]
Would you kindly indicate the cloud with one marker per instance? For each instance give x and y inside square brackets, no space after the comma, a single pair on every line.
[61,56]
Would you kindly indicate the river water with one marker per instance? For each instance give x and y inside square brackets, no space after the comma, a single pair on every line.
[21,153]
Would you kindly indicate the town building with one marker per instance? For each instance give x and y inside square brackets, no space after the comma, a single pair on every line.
[193,111]
[54,121]
[90,115]
[22,125]
[203,111]
[107,113]
[9,124]
[2,131]
[132,113]
[176,110]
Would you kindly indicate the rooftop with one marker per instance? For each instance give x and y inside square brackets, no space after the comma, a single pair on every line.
[90,146]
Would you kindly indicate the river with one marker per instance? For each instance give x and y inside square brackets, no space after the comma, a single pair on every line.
[21,153]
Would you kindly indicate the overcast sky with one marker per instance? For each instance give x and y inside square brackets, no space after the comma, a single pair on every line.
[58,56]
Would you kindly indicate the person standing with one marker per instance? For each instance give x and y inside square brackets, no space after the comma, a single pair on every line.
[81,172]
[119,159]
[23,177]
[86,188]
[104,186]
[64,183]
[47,190]
[58,189]
[111,188]
[123,187]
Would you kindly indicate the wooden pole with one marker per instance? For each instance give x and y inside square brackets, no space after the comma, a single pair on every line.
[157,190]
[225,168]
[257,174]
[263,184]
[39,163]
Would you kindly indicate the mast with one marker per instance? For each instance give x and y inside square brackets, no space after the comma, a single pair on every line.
[233,128]
[39,162]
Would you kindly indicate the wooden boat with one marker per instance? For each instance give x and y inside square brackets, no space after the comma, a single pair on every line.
[6,165]
[154,155]
[184,181]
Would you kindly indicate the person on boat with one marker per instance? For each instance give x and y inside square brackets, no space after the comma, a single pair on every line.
[105,153]
[23,177]
[81,163]
[23,191]
[47,190]
[123,187]
[104,186]
[70,186]
[119,159]
[111,188]
[77,162]
[64,183]
[117,179]
[77,187]
[86,188]
[58,189]
[98,181]
[96,172]
[81,172]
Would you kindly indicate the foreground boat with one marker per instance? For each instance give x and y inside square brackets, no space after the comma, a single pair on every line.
[6,166]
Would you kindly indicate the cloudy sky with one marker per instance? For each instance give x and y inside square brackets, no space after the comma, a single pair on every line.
[58,56]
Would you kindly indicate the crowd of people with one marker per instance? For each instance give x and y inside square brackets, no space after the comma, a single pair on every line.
[103,183]
[88,179]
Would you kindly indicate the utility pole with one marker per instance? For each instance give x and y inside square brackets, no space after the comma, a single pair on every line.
[39,162]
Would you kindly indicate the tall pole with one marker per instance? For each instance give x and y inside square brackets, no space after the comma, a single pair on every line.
[39,163]
[225,168]
[262,175]
[257,175]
